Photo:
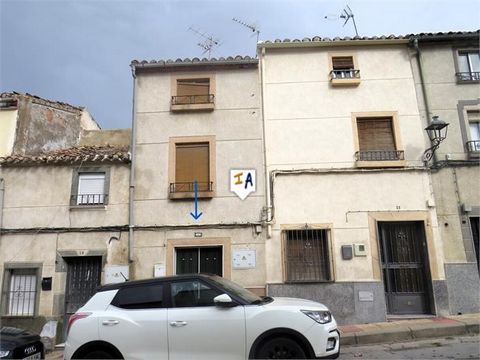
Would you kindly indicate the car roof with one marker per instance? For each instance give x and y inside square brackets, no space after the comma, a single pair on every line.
[153,281]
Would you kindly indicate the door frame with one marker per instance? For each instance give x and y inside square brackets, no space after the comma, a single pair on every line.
[433,264]
[225,243]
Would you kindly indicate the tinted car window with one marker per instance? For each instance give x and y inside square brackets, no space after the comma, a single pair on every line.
[192,293]
[139,297]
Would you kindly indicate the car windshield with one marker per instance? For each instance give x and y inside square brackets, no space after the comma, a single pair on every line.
[239,291]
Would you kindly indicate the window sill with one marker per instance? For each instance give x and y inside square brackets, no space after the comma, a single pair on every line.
[463,82]
[19,316]
[345,82]
[290,282]
[192,107]
[191,195]
[474,154]
[88,207]
[380,164]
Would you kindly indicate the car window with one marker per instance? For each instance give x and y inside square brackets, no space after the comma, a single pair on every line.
[139,297]
[192,293]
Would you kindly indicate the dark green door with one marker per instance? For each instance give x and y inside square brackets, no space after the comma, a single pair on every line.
[199,260]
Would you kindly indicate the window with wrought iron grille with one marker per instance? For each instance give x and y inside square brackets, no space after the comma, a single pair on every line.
[193,91]
[20,292]
[90,186]
[307,255]
[468,65]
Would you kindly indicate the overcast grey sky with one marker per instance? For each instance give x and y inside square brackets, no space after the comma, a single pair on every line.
[79,51]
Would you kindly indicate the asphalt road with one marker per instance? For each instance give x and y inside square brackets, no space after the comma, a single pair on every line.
[464,347]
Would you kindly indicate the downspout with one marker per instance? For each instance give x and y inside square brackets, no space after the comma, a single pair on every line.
[131,188]
[424,91]
[265,166]
[2,193]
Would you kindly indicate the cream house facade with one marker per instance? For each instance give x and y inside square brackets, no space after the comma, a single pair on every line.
[195,121]
[352,220]
[447,75]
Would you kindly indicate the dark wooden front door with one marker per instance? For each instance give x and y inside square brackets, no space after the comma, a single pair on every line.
[83,277]
[194,260]
[404,259]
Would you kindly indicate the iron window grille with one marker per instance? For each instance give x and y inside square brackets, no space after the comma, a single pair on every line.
[21,292]
[307,256]
[473,146]
[179,187]
[345,74]
[89,199]
[379,155]
[468,76]
[193,99]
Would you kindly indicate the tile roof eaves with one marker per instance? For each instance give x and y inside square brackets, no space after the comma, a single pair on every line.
[238,60]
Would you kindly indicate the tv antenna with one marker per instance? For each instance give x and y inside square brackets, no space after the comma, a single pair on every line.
[346,14]
[252,27]
[209,42]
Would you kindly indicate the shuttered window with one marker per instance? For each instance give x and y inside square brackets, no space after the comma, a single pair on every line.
[307,255]
[91,189]
[192,164]
[193,91]
[342,62]
[21,293]
[375,134]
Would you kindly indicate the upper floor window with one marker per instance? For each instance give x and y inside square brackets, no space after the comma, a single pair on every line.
[193,93]
[20,292]
[307,255]
[90,187]
[473,145]
[378,140]
[343,70]
[468,65]
[192,164]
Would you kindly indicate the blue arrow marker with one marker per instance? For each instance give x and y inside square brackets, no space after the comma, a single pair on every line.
[196,215]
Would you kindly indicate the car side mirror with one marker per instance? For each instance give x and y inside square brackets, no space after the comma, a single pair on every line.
[224,300]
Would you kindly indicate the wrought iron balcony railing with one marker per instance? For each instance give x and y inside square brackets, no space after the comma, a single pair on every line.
[468,76]
[345,74]
[180,187]
[379,155]
[193,99]
[88,199]
[473,146]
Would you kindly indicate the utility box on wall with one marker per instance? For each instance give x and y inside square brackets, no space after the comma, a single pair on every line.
[347,253]
[360,249]
[116,274]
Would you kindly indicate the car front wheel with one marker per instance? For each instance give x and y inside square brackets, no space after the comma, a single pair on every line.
[280,348]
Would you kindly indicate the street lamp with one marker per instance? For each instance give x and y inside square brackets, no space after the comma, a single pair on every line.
[437,132]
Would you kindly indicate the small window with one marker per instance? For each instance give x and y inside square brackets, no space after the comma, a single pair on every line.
[307,255]
[343,71]
[473,145]
[468,65]
[192,293]
[139,297]
[376,140]
[90,187]
[192,165]
[193,91]
[21,292]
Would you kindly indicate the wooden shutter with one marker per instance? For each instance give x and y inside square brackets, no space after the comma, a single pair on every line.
[375,134]
[192,163]
[342,62]
[192,91]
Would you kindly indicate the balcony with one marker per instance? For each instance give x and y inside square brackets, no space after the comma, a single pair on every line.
[88,199]
[473,148]
[186,190]
[193,102]
[345,77]
[380,158]
[468,76]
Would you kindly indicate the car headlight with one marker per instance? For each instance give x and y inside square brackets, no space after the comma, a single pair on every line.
[4,353]
[322,317]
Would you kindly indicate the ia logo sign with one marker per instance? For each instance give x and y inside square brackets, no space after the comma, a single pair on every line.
[243,182]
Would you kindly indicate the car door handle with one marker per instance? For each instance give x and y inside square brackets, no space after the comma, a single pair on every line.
[109,322]
[178,323]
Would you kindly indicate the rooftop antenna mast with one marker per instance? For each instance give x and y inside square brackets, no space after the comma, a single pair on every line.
[208,43]
[346,14]
[253,27]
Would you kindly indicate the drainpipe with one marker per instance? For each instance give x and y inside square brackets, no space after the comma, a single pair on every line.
[267,181]
[2,193]
[424,90]
[131,188]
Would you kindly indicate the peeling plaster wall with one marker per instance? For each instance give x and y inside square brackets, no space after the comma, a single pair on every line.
[8,122]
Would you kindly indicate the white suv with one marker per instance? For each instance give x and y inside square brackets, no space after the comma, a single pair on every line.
[198,317]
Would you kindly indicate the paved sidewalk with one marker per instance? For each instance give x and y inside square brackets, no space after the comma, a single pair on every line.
[406,330]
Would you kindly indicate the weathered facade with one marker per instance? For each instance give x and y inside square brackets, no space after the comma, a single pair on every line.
[352,220]
[64,213]
[195,120]
[447,75]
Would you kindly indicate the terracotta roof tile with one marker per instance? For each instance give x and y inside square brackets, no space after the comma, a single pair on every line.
[72,155]
[197,61]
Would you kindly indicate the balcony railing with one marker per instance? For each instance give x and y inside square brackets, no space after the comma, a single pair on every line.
[193,99]
[345,74]
[468,76]
[473,146]
[379,155]
[181,187]
[88,199]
